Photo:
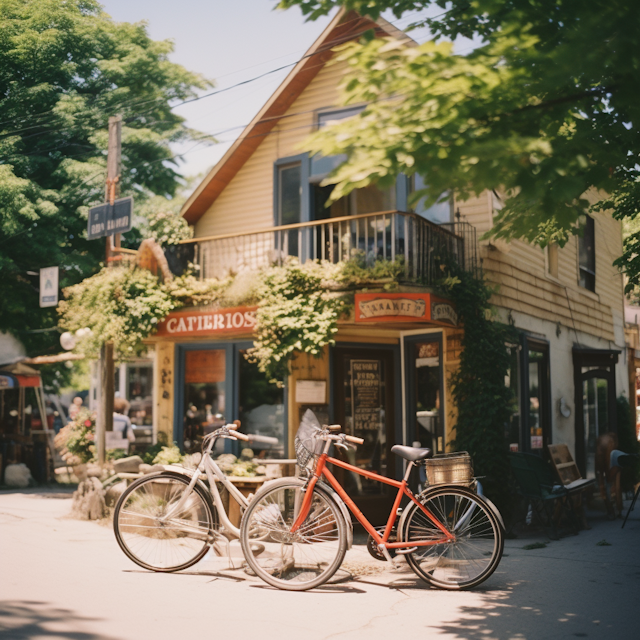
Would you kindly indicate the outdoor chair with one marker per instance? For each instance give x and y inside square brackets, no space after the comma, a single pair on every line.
[550,501]
[569,474]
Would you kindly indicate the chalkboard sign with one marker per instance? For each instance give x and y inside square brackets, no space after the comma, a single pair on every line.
[365,395]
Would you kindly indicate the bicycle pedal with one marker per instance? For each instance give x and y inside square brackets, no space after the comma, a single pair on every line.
[403,552]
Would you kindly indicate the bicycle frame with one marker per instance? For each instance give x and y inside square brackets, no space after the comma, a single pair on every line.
[212,472]
[382,541]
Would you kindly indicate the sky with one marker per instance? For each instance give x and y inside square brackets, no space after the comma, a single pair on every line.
[228,41]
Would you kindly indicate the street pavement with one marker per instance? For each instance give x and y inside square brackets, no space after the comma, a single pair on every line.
[67,579]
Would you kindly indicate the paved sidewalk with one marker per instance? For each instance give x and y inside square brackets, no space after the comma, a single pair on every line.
[63,578]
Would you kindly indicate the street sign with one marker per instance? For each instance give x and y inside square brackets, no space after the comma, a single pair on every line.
[107,220]
[49,287]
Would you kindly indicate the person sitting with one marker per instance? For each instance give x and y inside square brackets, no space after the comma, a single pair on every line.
[121,421]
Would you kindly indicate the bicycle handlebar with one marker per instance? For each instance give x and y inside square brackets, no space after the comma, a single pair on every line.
[354,439]
[239,436]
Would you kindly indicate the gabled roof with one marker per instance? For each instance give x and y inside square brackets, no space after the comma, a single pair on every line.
[345,26]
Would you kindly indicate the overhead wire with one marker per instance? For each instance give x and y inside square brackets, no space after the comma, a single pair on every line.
[133,103]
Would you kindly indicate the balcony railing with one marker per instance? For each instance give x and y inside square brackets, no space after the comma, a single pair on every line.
[422,246]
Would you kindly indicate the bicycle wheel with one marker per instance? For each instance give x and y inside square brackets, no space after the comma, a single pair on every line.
[154,541]
[476,550]
[293,561]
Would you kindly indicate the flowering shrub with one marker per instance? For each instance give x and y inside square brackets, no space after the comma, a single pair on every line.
[167,227]
[119,305]
[297,312]
[76,441]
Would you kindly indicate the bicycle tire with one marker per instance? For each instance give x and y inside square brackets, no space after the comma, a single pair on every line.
[160,546]
[300,561]
[477,549]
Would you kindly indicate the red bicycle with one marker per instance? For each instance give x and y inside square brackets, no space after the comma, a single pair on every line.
[451,537]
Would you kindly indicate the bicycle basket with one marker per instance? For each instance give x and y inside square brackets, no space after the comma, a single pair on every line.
[450,468]
[307,444]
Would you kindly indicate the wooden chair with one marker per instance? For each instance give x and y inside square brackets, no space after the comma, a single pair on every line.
[570,477]
[549,500]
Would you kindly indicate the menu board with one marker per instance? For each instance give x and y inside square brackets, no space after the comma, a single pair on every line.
[365,395]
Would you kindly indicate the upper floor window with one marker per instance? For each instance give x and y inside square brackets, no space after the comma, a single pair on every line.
[327,117]
[439,212]
[587,255]
[552,259]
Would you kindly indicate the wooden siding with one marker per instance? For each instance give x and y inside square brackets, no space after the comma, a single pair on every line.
[520,272]
[247,201]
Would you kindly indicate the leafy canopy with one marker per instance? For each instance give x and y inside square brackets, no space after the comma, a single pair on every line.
[545,109]
[65,67]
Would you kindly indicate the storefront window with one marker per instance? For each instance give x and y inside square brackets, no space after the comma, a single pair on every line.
[204,395]
[537,399]
[261,410]
[139,394]
[512,382]
[429,430]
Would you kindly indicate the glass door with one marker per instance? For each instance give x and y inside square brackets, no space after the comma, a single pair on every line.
[595,414]
[537,396]
[205,395]
[425,415]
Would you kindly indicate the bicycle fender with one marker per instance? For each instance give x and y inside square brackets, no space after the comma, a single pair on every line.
[328,491]
[482,497]
[493,508]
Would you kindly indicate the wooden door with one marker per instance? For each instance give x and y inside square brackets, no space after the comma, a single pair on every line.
[364,381]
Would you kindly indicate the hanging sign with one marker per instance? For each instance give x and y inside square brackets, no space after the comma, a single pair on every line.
[208,323]
[106,219]
[49,286]
[404,307]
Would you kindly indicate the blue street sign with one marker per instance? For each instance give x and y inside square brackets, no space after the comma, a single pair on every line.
[107,220]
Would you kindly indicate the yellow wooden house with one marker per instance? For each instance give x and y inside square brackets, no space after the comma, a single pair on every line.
[386,379]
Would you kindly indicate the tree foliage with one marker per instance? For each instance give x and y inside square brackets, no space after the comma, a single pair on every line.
[65,67]
[545,109]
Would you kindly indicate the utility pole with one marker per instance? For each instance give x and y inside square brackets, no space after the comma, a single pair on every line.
[104,422]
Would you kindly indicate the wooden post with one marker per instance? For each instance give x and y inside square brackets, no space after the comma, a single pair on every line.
[104,420]
[112,188]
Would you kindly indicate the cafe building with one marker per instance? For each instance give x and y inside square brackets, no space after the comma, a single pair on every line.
[386,379]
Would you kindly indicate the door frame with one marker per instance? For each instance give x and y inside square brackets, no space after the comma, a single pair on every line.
[535,344]
[397,387]
[605,360]
[410,399]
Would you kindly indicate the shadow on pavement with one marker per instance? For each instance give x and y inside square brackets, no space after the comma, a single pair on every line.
[23,619]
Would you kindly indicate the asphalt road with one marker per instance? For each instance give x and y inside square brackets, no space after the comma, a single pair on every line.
[63,578]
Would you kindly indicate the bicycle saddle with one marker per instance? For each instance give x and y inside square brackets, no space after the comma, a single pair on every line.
[412,454]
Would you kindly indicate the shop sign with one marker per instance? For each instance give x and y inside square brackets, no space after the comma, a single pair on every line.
[404,307]
[208,323]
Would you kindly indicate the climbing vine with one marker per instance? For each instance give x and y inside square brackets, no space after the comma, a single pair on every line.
[478,386]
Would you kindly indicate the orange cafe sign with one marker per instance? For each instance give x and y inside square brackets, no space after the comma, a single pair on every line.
[404,307]
[208,323]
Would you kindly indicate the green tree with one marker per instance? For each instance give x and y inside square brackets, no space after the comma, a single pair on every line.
[544,109]
[65,67]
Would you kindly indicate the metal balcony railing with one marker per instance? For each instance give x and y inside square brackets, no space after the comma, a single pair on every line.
[421,246]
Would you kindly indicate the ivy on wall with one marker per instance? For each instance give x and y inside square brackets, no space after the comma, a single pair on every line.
[478,386]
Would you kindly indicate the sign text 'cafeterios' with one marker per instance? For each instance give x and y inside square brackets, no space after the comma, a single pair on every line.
[207,323]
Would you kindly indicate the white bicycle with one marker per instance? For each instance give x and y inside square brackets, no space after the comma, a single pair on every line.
[167,521]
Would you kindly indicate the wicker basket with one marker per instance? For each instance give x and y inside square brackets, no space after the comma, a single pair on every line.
[450,468]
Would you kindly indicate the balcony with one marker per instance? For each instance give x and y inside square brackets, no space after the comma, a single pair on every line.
[421,245]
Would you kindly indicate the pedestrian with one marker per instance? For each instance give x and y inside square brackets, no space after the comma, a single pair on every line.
[74,408]
[121,421]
